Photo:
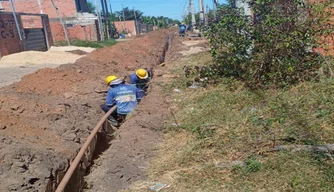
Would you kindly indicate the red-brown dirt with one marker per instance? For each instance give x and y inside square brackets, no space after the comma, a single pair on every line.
[45,118]
[127,159]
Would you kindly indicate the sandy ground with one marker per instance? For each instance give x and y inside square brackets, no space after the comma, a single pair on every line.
[13,67]
[193,48]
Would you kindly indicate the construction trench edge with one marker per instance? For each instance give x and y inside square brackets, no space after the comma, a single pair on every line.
[102,141]
[41,167]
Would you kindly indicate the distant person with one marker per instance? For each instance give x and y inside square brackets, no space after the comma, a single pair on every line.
[189,28]
[124,96]
[182,29]
[141,78]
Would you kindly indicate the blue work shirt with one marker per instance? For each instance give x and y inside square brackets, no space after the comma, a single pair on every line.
[124,96]
[182,27]
[140,83]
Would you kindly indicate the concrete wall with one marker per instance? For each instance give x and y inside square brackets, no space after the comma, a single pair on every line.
[9,37]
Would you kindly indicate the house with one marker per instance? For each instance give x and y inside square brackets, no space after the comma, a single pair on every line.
[79,23]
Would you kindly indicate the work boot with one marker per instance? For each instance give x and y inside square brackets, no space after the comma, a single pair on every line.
[113,121]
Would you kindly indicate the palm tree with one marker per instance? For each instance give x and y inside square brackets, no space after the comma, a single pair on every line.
[129,14]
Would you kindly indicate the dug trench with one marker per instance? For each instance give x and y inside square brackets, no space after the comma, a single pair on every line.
[46,117]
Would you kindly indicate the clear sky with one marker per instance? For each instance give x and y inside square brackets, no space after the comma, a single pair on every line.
[169,8]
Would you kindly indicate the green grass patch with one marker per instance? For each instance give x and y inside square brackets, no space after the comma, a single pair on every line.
[83,43]
[228,122]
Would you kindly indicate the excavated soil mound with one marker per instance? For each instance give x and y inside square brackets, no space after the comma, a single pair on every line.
[46,117]
[89,72]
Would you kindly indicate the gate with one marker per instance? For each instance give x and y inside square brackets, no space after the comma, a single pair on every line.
[36,32]
[35,39]
[29,32]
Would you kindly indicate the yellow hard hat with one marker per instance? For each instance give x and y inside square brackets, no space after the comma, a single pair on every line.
[182,23]
[142,74]
[110,78]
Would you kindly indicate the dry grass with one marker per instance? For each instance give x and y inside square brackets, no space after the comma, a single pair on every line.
[228,123]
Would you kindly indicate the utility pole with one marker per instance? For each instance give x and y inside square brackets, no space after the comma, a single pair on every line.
[15,18]
[99,20]
[107,19]
[216,3]
[201,11]
[40,6]
[136,22]
[207,15]
[104,17]
[123,18]
[214,8]
[192,9]
[61,21]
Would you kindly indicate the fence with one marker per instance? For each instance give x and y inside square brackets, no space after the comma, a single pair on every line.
[144,28]
[133,28]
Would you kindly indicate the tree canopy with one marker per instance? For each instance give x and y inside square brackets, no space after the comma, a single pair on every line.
[159,21]
[129,14]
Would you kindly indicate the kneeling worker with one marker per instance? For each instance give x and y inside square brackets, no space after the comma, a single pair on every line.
[141,78]
[124,96]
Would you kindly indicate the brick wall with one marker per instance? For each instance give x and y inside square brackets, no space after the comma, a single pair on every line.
[75,32]
[68,10]
[9,37]
[128,26]
[66,7]
[31,21]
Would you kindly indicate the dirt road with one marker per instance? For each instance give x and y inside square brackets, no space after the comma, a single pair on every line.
[45,118]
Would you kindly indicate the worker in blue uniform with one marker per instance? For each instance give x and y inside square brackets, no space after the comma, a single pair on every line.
[124,96]
[182,29]
[141,78]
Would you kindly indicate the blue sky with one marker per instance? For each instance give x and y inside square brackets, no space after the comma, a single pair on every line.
[168,8]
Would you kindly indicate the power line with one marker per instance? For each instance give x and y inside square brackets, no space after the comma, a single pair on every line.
[61,21]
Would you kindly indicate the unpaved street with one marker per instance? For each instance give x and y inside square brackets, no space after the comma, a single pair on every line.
[9,75]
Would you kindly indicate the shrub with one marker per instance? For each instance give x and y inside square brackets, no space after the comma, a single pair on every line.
[272,48]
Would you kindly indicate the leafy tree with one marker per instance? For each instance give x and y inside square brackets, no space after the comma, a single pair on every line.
[113,17]
[148,20]
[159,21]
[129,14]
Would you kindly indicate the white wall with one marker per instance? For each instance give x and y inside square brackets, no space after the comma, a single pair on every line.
[243,4]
